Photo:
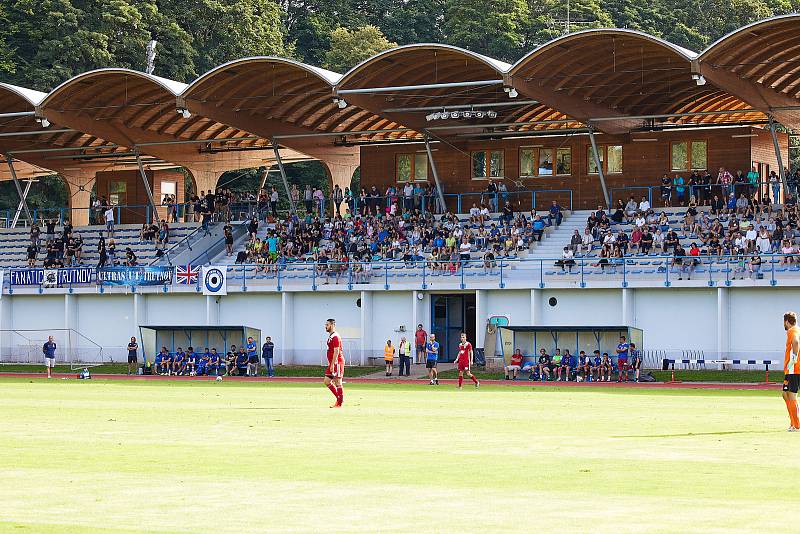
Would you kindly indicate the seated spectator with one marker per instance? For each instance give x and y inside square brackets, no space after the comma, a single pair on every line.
[755,266]
[230,362]
[647,241]
[583,367]
[630,209]
[644,205]
[575,241]
[597,363]
[567,260]
[130,257]
[31,252]
[619,213]
[538,228]
[543,366]
[671,241]
[489,262]
[588,240]
[788,252]
[606,367]
[678,260]
[514,366]
[636,239]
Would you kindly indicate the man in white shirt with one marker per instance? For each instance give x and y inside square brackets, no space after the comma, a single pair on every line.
[751,236]
[644,205]
[109,216]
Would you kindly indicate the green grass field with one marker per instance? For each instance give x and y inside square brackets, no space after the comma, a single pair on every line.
[161,456]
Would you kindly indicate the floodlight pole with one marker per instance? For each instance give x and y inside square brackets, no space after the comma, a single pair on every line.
[432,165]
[146,183]
[22,195]
[599,164]
[283,175]
[778,154]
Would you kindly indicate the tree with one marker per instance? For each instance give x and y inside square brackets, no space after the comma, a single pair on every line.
[224,30]
[349,48]
[495,28]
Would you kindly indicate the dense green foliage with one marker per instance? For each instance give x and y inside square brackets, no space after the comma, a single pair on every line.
[44,42]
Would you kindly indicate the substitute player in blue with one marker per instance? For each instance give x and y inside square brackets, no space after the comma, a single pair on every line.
[622,359]
[49,351]
[432,358]
[163,362]
[203,362]
[191,361]
[179,362]
[214,363]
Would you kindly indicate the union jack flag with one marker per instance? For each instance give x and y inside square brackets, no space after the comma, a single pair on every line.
[187,275]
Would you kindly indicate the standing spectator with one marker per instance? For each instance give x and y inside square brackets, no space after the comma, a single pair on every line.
[252,357]
[775,185]
[49,351]
[666,190]
[133,360]
[405,357]
[337,197]
[622,359]
[636,361]
[109,217]
[432,358]
[319,199]
[267,353]
[228,241]
[420,339]
[388,357]
[295,194]
[491,189]
[273,202]
[555,213]
[308,198]
[35,233]
[680,189]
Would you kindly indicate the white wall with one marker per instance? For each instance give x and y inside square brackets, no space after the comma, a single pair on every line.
[672,319]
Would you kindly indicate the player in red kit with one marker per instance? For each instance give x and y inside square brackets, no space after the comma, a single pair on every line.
[335,370]
[464,361]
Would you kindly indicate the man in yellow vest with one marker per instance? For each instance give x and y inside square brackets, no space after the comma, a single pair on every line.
[388,357]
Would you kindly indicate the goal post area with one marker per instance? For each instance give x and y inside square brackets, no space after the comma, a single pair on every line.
[72,347]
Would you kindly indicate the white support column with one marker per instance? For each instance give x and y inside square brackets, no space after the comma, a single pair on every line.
[536,307]
[5,324]
[481,298]
[627,307]
[287,320]
[139,312]
[723,322]
[212,311]
[71,324]
[366,326]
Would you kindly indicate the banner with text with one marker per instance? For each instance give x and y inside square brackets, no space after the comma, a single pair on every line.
[135,276]
[55,277]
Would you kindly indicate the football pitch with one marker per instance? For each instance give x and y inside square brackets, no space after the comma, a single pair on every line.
[167,456]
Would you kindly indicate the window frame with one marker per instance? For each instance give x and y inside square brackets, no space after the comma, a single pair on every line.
[536,158]
[690,167]
[413,170]
[603,153]
[488,163]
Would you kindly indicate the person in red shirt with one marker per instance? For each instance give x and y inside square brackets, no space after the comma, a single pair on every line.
[335,370]
[420,339]
[464,361]
[514,365]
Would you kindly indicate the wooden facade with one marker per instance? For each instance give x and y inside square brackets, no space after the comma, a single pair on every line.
[646,157]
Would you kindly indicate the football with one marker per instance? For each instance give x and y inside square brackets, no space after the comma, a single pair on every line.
[219,379]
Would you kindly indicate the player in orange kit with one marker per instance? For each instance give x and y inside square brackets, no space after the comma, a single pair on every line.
[464,361]
[791,369]
[335,370]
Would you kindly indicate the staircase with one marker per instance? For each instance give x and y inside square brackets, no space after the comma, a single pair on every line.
[554,241]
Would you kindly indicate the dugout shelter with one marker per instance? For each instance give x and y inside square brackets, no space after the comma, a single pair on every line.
[529,339]
[152,338]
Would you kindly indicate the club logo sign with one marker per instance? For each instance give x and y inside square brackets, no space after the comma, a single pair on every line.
[215,280]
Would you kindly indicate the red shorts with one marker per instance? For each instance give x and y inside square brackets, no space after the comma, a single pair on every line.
[463,366]
[336,370]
